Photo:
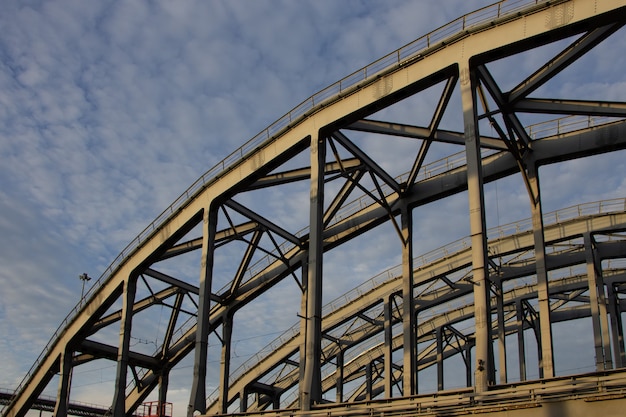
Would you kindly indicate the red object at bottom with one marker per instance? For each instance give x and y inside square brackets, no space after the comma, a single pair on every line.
[155,409]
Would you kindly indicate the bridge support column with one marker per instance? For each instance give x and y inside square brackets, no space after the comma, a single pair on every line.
[546,352]
[501,332]
[468,364]
[119,397]
[243,400]
[617,329]
[369,370]
[521,345]
[303,332]
[339,378]
[482,314]
[164,379]
[65,378]
[388,313]
[227,332]
[597,301]
[197,401]
[409,382]
[439,340]
[310,385]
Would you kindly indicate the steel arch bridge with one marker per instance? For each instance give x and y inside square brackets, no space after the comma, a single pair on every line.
[469,124]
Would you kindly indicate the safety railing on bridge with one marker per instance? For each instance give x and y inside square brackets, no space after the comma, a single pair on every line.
[416,49]
[45,402]
[566,124]
[529,395]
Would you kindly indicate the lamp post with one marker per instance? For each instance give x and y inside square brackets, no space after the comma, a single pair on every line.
[84,278]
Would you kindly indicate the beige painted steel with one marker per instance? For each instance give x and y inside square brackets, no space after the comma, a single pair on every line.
[469,45]
[576,396]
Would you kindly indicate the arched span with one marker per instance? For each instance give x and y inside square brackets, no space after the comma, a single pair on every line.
[450,82]
[355,324]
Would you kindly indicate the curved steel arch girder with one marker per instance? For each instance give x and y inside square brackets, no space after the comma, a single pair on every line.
[523,31]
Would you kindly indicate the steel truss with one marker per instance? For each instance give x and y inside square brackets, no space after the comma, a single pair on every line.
[359,336]
[474,299]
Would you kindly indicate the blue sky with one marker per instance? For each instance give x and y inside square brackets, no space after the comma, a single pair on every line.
[109,110]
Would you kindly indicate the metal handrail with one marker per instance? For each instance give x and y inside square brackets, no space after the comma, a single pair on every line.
[414,50]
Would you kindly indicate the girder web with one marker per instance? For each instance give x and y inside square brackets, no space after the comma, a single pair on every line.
[301,217]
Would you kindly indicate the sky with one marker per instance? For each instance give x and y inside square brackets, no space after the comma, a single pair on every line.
[109,110]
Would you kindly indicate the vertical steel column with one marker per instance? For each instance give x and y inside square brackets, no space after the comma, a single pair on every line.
[164,379]
[616,327]
[243,400]
[119,397]
[409,374]
[482,314]
[368,381]
[597,301]
[197,401]
[536,326]
[310,390]
[439,340]
[65,379]
[227,332]
[388,346]
[468,363]
[546,349]
[304,323]
[521,345]
[501,332]
[339,377]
